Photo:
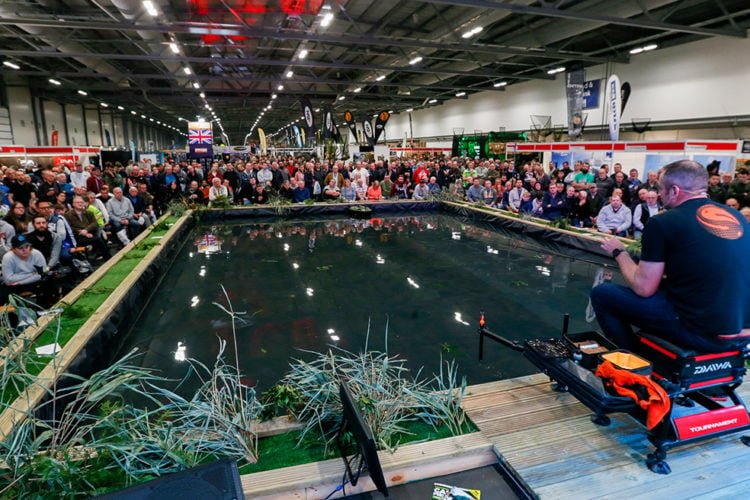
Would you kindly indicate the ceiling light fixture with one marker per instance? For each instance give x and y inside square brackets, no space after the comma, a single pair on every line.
[187,70]
[415,60]
[341,98]
[83,92]
[55,82]
[289,74]
[554,71]
[303,53]
[203,95]
[133,113]
[196,85]
[410,110]
[432,101]
[280,88]
[472,32]
[274,96]
[174,47]
[649,48]
[11,65]
[460,94]
[499,84]
[150,8]
[380,78]
[143,116]
[120,108]
[357,90]
[104,104]
[327,18]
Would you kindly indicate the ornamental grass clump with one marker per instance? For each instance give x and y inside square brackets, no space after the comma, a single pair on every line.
[385,391]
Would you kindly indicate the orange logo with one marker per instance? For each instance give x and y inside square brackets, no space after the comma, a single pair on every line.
[719,222]
[348,116]
[384,115]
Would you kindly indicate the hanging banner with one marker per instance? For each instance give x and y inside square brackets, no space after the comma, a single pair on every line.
[330,130]
[200,140]
[309,118]
[380,122]
[262,140]
[349,121]
[55,136]
[296,136]
[368,132]
[591,93]
[304,136]
[614,106]
[574,95]
[625,95]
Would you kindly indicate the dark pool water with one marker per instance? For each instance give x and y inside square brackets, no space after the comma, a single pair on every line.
[306,285]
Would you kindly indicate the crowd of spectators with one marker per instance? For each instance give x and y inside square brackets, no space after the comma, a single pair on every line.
[66,219]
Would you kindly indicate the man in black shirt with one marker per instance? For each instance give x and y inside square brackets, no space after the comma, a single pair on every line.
[703,303]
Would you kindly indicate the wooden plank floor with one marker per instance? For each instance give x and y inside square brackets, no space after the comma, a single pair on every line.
[548,439]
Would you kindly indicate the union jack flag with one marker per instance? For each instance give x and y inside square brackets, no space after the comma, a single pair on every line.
[200,136]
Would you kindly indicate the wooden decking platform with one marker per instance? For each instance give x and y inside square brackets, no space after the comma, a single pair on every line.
[548,438]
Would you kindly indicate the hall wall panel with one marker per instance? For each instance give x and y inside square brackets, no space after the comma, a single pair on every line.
[74,114]
[697,80]
[53,119]
[94,133]
[21,116]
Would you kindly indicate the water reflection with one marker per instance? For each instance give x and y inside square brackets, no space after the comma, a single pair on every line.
[307,285]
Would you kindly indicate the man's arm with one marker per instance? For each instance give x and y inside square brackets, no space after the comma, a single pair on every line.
[643,278]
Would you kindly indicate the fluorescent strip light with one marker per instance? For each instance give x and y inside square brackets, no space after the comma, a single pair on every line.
[416,60]
[280,88]
[120,108]
[143,116]
[650,47]
[326,20]
[11,65]
[303,53]
[196,85]
[460,94]
[636,50]
[556,70]
[55,82]
[289,74]
[187,70]
[83,92]
[203,95]
[410,110]
[174,47]
[357,90]
[341,98]
[133,113]
[432,101]
[104,104]
[380,78]
[500,84]
[274,96]
[150,8]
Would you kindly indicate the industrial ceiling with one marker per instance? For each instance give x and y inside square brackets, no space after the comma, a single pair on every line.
[248,63]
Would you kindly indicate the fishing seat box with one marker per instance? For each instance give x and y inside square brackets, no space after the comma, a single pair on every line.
[590,345]
[689,369]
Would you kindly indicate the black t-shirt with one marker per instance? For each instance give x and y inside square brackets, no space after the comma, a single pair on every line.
[705,248]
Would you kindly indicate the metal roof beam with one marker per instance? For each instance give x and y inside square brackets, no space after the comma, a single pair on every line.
[584,16]
[259,32]
[265,62]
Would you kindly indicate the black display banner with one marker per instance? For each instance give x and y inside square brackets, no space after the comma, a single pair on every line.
[380,122]
[349,121]
[625,95]
[574,94]
[309,118]
[368,131]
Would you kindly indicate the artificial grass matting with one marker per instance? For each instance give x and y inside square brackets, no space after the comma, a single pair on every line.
[283,450]
[76,314]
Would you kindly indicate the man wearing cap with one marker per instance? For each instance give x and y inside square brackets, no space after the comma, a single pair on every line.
[23,267]
[421,191]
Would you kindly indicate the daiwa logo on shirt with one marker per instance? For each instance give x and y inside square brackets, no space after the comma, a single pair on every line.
[712,367]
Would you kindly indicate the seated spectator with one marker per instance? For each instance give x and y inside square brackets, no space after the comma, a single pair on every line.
[475,191]
[7,232]
[217,191]
[579,211]
[260,196]
[121,217]
[23,269]
[489,195]
[375,192]
[385,186]
[746,212]
[732,203]
[716,191]
[644,211]
[421,191]
[285,191]
[347,191]
[193,194]
[139,207]
[85,227]
[360,188]
[515,196]
[301,192]
[331,191]
[41,238]
[554,204]
[400,189]
[614,218]
[18,217]
[434,186]
[537,202]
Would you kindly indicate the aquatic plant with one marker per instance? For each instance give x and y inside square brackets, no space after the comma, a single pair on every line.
[384,389]
[177,207]
[635,246]
[560,223]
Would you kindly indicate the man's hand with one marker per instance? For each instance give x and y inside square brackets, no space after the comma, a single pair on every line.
[611,244]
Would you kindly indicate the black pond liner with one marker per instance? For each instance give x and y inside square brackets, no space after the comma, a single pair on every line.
[97,354]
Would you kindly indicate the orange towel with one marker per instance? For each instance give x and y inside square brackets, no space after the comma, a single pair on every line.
[648,394]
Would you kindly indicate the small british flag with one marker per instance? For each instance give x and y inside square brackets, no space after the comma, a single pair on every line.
[201,136]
